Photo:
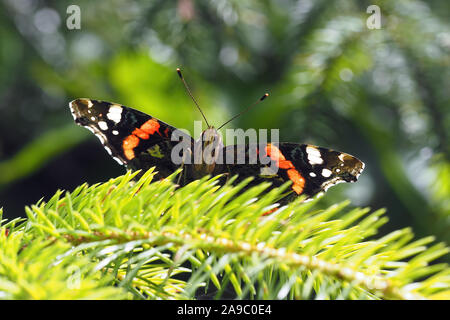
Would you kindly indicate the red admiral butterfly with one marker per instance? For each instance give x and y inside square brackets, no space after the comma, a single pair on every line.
[139,141]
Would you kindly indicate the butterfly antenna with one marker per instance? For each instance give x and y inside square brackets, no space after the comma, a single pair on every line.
[192,97]
[248,108]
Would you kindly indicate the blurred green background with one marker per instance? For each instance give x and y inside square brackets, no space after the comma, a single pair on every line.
[381,95]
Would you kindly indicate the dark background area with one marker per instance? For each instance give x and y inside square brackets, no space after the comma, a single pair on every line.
[381,95]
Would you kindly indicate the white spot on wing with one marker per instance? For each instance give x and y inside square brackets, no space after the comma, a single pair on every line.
[103,125]
[115,113]
[312,174]
[326,173]
[314,156]
[115,132]
[118,160]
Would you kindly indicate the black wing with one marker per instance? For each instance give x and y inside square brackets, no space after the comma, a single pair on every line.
[311,169]
[131,137]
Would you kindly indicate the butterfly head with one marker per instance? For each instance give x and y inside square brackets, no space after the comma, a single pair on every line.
[210,136]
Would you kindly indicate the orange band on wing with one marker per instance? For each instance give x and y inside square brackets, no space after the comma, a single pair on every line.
[151,126]
[144,132]
[297,179]
[129,143]
[141,134]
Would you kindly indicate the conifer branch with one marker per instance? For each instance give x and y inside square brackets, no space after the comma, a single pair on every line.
[151,240]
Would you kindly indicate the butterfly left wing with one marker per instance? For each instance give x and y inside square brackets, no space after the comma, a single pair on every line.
[131,137]
[311,169]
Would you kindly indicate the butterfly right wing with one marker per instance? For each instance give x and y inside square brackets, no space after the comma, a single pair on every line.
[311,169]
[131,137]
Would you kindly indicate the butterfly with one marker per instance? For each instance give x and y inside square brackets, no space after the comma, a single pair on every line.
[139,141]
